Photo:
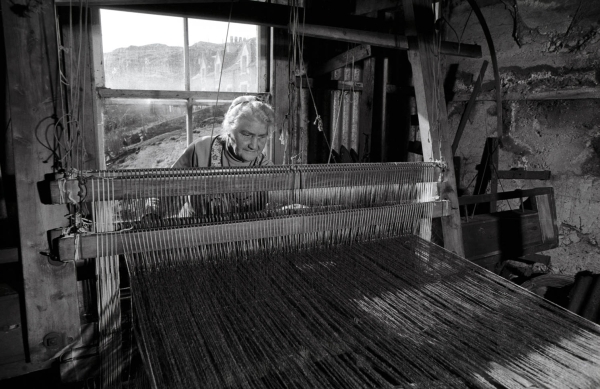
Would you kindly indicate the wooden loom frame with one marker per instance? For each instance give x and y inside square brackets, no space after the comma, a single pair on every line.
[50,287]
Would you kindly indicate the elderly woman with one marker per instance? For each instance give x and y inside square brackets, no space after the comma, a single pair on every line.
[246,127]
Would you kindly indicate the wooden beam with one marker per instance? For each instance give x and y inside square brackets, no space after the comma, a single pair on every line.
[366,7]
[524,174]
[276,15]
[486,174]
[373,38]
[164,239]
[431,107]
[583,93]
[330,84]
[516,194]
[380,39]
[108,3]
[469,108]
[189,109]
[345,59]
[50,292]
[251,12]
[98,81]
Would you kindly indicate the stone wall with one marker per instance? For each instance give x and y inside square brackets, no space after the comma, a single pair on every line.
[549,62]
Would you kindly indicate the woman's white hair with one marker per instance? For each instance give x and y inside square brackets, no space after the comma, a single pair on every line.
[248,108]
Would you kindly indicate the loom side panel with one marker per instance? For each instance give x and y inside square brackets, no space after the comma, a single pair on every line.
[507,234]
[50,292]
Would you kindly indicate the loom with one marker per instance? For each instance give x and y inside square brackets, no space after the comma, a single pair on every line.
[311,276]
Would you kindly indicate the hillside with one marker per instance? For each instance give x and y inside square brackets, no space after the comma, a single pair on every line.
[155,66]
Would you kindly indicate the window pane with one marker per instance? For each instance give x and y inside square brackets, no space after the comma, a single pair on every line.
[207,43]
[144,134]
[142,51]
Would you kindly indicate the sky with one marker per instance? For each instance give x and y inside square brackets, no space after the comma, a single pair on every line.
[123,29]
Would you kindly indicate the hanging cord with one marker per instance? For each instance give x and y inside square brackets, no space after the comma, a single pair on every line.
[212,130]
[294,23]
[67,142]
[339,111]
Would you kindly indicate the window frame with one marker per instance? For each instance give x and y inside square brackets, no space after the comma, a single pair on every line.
[194,98]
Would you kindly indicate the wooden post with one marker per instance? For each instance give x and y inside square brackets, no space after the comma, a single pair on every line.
[365,121]
[431,106]
[280,80]
[98,81]
[50,291]
[189,112]
[384,103]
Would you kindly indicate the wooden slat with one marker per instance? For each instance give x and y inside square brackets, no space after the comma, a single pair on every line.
[339,61]
[466,200]
[87,245]
[524,174]
[50,292]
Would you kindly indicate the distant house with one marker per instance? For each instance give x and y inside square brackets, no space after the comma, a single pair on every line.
[239,73]
[205,67]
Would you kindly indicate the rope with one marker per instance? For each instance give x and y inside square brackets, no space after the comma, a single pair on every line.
[222,66]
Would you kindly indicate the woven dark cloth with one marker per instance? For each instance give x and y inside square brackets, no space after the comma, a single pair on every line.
[393,313]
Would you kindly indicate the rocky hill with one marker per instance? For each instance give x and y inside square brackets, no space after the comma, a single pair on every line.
[155,66]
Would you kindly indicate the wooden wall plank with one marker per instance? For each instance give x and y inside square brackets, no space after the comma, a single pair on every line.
[50,291]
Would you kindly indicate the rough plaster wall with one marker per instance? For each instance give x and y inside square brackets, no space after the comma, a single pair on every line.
[542,46]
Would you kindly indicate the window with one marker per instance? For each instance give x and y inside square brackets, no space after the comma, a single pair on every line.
[161,75]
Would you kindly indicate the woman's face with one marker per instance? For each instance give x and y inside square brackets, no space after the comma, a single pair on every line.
[249,139]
